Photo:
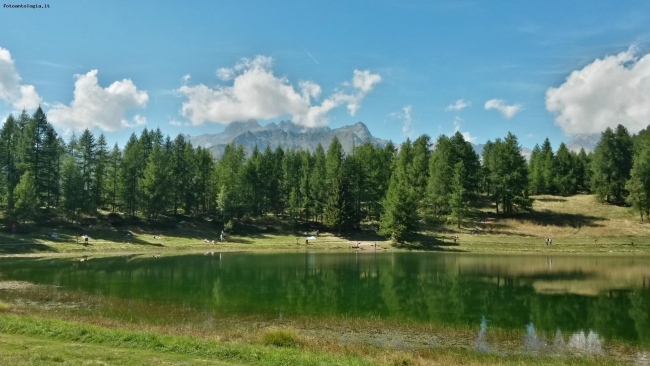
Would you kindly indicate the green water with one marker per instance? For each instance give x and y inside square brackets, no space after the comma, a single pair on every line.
[606,295]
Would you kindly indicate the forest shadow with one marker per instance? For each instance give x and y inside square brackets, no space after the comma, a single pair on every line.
[552,218]
[430,243]
[550,199]
[362,235]
[25,248]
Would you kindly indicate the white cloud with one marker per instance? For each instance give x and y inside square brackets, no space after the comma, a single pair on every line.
[507,111]
[94,106]
[11,90]
[405,118]
[466,135]
[364,80]
[458,105]
[185,79]
[609,91]
[256,93]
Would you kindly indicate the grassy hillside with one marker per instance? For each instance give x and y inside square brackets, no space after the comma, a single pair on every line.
[576,224]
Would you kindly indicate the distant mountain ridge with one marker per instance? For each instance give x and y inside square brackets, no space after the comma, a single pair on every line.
[285,134]
[289,135]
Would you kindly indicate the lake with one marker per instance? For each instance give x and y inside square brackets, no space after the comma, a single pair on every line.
[606,297]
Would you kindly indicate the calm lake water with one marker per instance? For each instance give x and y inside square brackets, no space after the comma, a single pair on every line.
[607,296]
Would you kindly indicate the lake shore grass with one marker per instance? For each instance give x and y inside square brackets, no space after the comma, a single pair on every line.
[577,224]
[31,339]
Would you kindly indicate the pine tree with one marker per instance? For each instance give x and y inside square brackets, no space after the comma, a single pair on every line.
[400,220]
[72,183]
[458,199]
[114,161]
[101,162]
[155,184]
[582,167]
[9,139]
[547,168]
[129,176]
[205,192]
[85,156]
[419,168]
[639,184]
[535,172]
[566,180]
[318,181]
[306,195]
[333,208]
[27,201]
[33,157]
[440,177]
[603,180]
[508,175]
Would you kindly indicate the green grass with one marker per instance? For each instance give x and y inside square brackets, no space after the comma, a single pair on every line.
[577,224]
[24,350]
[231,352]
[34,340]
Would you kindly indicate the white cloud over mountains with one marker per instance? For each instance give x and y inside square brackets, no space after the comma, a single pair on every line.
[609,91]
[507,111]
[20,96]
[94,106]
[256,93]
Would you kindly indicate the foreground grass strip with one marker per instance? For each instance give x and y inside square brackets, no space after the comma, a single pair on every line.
[223,351]
[26,350]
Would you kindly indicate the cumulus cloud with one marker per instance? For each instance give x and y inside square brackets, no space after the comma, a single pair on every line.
[466,135]
[11,90]
[185,79]
[94,106]
[458,105]
[609,91]
[256,93]
[507,111]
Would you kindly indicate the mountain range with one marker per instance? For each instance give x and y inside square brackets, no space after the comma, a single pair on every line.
[285,134]
[289,135]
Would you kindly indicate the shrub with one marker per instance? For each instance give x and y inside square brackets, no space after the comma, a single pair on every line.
[281,337]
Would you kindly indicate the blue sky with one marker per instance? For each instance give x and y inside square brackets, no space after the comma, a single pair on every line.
[553,68]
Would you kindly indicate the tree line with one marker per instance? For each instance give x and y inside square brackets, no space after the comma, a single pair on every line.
[398,188]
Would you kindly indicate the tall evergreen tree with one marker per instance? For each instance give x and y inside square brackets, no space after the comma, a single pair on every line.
[9,140]
[129,176]
[318,181]
[72,183]
[440,177]
[547,167]
[155,183]
[611,165]
[101,162]
[419,168]
[535,172]
[508,175]
[639,184]
[113,163]
[458,199]
[27,201]
[86,158]
[334,199]
[400,220]
[566,181]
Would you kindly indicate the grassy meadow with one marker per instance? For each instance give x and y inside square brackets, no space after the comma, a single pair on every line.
[577,224]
